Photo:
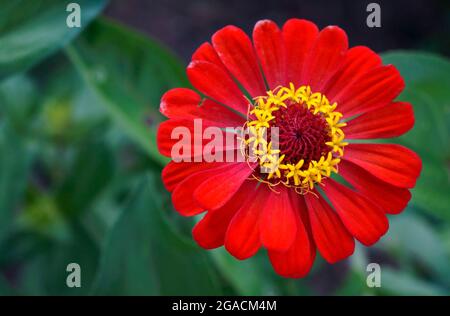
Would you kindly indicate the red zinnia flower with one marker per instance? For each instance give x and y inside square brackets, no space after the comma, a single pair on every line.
[319,95]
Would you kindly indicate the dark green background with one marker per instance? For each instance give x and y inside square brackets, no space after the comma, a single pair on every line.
[80,172]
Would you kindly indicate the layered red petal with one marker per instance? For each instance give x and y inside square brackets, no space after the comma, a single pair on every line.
[206,52]
[325,57]
[297,261]
[358,61]
[330,235]
[236,51]
[182,197]
[194,140]
[278,224]
[176,172]
[216,190]
[217,84]
[210,231]
[392,120]
[363,219]
[242,238]
[391,163]
[182,103]
[390,198]
[299,36]
[375,89]
[269,47]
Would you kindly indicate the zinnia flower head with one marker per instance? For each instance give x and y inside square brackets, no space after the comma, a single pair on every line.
[297,180]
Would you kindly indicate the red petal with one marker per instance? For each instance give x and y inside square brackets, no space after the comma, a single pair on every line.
[215,191]
[184,132]
[299,36]
[390,121]
[236,52]
[363,219]
[207,53]
[277,225]
[298,260]
[330,235]
[357,62]
[270,50]
[175,172]
[390,198]
[216,83]
[242,237]
[182,103]
[209,233]
[175,102]
[325,57]
[375,89]
[391,163]
[182,197]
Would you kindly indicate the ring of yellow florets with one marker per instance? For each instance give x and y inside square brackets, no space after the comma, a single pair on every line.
[298,175]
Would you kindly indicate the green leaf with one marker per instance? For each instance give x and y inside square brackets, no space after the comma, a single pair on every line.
[432,189]
[416,240]
[90,174]
[428,90]
[32,30]
[129,78]
[144,256]
[44,273]
[42,216]
[247,277]
[396,282]
[18,100]
[14,169]
[64,108]
[354,284]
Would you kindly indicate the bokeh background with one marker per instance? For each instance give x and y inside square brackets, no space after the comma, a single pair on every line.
[80,172]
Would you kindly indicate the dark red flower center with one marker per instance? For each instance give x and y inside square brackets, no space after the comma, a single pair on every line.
[302,135]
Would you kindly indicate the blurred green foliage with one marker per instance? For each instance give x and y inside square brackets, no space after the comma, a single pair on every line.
[80,173]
